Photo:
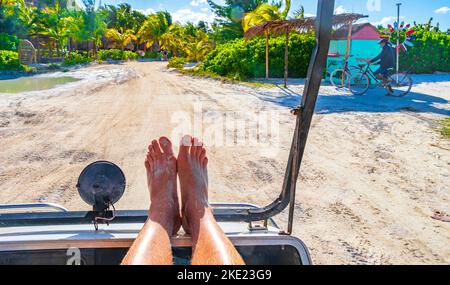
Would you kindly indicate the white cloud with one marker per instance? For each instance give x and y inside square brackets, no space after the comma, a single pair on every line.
[146,11]
[442,10]
[340,10]
[197,3]
[387,20]
[187,15]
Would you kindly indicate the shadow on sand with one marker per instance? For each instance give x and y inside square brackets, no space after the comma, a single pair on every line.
[374,101]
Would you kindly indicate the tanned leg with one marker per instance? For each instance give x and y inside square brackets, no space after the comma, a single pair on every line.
[210,245]
[152,245]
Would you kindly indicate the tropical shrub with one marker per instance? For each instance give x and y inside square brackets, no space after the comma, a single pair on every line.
[430,53]
[77,57]
[9,60]
[117,54]
[8,42]
[242,59]
[177,62]
[151,54]
[445,131]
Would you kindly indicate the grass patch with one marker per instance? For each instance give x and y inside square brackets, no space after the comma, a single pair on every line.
[224,79]
[445,131]
[260,84]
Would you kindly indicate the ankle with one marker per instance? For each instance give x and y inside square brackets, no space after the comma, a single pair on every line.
[164,217]
[195,208]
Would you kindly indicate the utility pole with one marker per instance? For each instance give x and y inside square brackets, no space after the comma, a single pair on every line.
[398,37]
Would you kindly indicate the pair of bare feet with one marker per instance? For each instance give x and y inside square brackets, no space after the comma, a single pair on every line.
[162,170]
[152,246]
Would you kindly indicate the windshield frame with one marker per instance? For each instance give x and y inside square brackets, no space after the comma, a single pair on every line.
[304,114]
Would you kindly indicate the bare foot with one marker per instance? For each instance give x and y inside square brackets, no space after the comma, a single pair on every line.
[192,171]
[161,167]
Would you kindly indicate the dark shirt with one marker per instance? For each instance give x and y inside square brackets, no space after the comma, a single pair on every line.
[386,58]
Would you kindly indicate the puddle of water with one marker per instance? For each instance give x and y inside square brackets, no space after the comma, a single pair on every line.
[26,84]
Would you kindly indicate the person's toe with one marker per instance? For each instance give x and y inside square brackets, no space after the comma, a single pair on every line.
[149,163]
[199,148]
[185,144]
[195,147]
[166,145]
[205,162]
[156,148]
[202,154]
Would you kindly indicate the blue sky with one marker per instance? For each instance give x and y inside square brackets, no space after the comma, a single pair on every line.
[379,11]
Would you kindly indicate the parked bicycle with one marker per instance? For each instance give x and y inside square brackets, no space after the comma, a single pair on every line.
[340,77]
[396,84]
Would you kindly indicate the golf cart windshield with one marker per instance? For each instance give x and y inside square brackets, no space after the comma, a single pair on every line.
[242,171]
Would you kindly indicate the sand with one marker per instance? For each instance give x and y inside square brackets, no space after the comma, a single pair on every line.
[374,172]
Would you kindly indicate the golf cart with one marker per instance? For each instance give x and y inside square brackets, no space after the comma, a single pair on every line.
[49,234]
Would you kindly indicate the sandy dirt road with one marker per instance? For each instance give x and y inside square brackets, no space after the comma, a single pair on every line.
[375,168]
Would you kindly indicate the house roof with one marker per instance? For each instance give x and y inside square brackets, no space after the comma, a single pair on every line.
[342,32]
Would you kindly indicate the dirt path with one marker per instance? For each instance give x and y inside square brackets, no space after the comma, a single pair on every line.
[374,171]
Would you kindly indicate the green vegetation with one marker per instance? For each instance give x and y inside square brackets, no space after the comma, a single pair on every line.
[177,62]
[89,33]
[445,131]
[151,54]
[9,60]
[117,54]
[77,58]
[8,42]
[431,50]
[242,59]
[118,32]
[228,26]
[265,12]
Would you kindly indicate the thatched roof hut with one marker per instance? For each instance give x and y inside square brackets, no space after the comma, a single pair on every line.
[280,27]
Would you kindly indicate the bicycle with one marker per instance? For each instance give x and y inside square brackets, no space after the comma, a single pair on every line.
[339,78]
[397,84]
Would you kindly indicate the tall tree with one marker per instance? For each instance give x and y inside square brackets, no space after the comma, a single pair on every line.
[228,24]
[121,38]
[300,13]
[94,25]
[265,12]
[154,28]
[56,23]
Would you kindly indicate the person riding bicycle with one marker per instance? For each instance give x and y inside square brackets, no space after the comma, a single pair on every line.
[386,59]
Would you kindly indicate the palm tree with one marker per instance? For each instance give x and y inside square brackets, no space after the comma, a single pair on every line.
[198,47]
[263,13]
[56,24]
[174,39]
[154,28]
[300,13]
[26,14]
[121,38]
[94,25]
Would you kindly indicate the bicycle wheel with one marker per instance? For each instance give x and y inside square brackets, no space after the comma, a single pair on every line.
[359,83]
[336,78]
[400,85]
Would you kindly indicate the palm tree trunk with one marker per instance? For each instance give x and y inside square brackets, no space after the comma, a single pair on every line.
[267,55]
[95,49]
[286,58]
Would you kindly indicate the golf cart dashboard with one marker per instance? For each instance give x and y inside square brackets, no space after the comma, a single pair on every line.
[50,239]
[253,255]
[104,235]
